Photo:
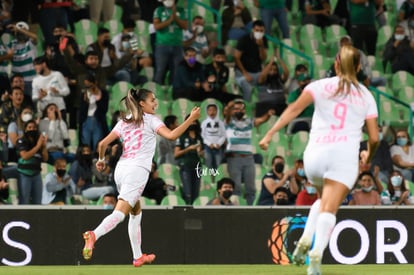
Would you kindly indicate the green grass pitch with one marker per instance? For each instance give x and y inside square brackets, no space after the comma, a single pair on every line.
[401,269]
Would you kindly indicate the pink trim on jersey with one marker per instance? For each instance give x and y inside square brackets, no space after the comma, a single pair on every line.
[371,116]
[156,130]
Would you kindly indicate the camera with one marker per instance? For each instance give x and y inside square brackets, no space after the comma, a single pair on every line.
[170,188]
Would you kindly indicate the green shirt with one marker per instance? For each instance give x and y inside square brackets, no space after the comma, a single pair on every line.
[362,14]
[172,34]
[308,112]
[271,4]
[190,159]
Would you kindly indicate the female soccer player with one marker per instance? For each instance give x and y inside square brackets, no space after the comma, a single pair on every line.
[331,157]
[138,134]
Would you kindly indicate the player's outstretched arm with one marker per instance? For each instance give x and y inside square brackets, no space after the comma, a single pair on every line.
[174,134]
[373,139]
[102,145]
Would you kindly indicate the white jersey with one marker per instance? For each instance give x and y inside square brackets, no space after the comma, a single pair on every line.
[139,142]
[333,148]
[339,119]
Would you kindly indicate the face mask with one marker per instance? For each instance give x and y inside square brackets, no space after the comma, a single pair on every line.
[199,29]
[192,127]
[87,157]
[108,206]
[282,202]
[220,63]
[367,189]
[380,136]
[125,45]
[402,141]
[32,134]
[21,37]
[301,172]
[227,194]
[168,3]
[311,190]
[60,172]
[106,43]
[396,181]
[258,35]
[191,60]
[279,167]
[239,115]
[26,117]
[399,37]
[57,38]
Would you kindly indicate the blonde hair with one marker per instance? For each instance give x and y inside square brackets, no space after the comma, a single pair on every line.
[132,100]
[347,63]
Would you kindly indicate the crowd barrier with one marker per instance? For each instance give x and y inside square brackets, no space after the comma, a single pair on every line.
[48,235]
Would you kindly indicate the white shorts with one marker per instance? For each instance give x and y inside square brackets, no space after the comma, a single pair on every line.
[327,162]
[130,181]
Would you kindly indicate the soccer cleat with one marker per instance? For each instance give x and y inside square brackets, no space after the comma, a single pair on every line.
[301,250]
[144,259]
[314,267]
[90,240]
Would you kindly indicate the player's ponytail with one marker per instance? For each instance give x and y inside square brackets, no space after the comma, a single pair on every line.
[347,65]
[132,100]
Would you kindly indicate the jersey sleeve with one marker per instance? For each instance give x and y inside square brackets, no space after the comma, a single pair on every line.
[118,128]
[372,111]
[156,124]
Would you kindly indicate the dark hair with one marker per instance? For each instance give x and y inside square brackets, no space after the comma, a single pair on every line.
[91,53]
[91,78]
[189,49]
[225,181]
[132,100]
[58,160]
[44,113]
[40,60]
[102,31]
[59,26]
[29,122]
[16,75]
[278,157]
[112,195]
[258,23]
[212,105]
[390,187]
[16,88]
[169,120]
[300,67]
[128,23]
[281,189]
[219,51]
[197,17]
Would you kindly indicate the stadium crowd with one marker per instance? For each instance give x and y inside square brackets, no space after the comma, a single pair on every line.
[65,65]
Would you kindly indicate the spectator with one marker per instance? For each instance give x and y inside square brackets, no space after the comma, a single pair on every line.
[8,170]
[382,158]
[58,140]
[408,26]
[236,21]
[397,192]
[197,39]
[318,12]
[213,133]
[31,150]
[24,52]
[406,10]
[48,87]
[271,86]
[303,121]
[52,13]
[6,56]
[165,146]
[4,191]
[239,150]
[402,154]
[363,28]
[92,115]
[293,82]
[15,130]
[275,179]
[109,201]
[169,23]
[188,150]
[250,53]
[101,9]
[17,80]
[308,195]
[189,80]
[10,109]
[156,188]
[225,188]
[58,185]
[366,194]
[83,177]
[5,14]
[216,74]
[274,9]
[281,196]
[399,52]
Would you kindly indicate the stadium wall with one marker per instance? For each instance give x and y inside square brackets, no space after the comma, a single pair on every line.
[187,235]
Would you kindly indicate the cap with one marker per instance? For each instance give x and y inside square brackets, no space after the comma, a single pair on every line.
[22,25]
[303,76]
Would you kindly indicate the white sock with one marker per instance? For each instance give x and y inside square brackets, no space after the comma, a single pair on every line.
[109,223]
[134,231]
[324,226]
[311,222]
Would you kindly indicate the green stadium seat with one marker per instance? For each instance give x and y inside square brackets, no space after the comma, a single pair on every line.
[85,33]
[117,92]
[144,201]
[13,191]
[204,105]
[173,200]
[298,143]
[400,80]
[114,26]
[406,94]
[201,201]
[384,33]
[156,88]
[182,107]
[142,27]
[309,32]
[392,113]
[117,15]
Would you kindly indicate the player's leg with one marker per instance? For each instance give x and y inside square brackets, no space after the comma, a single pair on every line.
[134,231]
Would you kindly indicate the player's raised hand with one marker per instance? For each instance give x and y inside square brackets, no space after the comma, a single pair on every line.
[264,143]
[195,113]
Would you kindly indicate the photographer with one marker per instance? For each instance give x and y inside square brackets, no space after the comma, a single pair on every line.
[156,188]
